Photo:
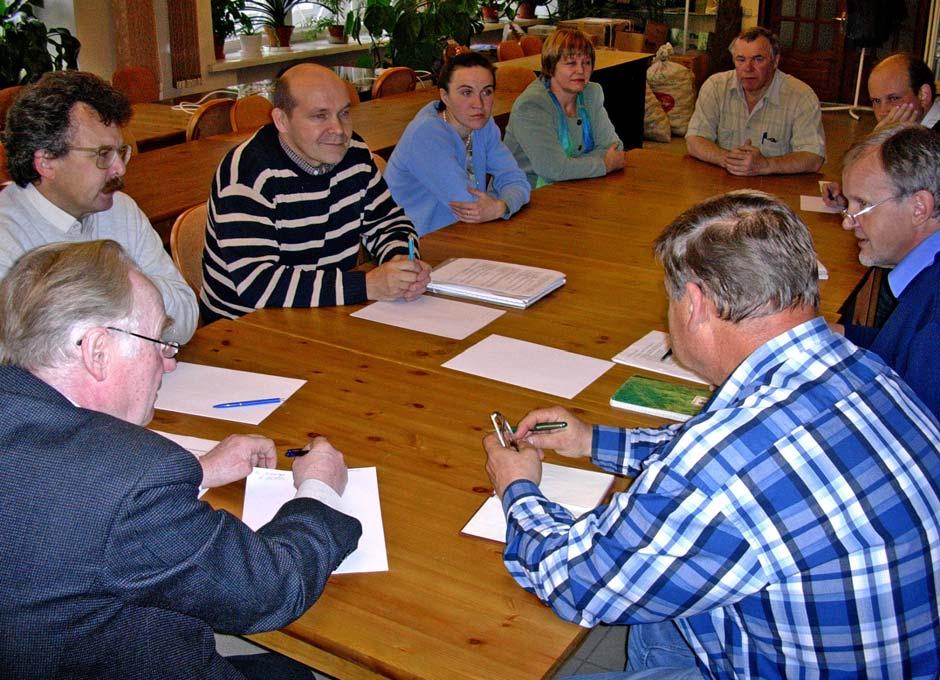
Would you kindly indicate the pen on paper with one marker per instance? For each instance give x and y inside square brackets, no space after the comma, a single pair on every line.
[295,453]
[666,355]
[248,402]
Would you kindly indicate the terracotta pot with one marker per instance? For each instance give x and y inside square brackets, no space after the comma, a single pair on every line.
[490,13]
[218,44]
[279,36]
[526,10]
[337,34]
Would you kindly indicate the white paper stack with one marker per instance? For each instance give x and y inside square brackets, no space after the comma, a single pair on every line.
[501,283]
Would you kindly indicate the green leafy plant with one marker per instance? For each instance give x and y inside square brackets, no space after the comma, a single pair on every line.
[416,30]
[272,13]
[229,18]
[27,48]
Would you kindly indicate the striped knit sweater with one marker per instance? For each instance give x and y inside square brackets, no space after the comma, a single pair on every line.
[277,236]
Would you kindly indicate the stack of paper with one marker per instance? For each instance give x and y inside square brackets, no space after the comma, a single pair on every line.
[652,353]
[501,283]
[579,491]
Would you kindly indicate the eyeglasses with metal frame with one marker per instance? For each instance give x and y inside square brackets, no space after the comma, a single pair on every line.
[853,217]
[168,348]
[106,155]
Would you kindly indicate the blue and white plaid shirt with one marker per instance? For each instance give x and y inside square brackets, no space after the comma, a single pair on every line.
[791,527]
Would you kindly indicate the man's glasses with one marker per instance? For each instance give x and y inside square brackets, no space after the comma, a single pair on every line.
[853,217]
[168,349]
[106,155]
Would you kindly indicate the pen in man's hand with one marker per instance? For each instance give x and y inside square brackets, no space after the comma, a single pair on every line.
[549,427]
[666,355]
[296,453]
[411,248]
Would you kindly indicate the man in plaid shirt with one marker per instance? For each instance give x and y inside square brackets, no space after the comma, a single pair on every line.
[791,528]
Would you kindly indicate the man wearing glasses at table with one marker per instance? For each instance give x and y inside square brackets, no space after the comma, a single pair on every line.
[891,180]
[67,159]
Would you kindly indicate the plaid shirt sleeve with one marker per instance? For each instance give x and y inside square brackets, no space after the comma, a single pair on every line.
[662,550]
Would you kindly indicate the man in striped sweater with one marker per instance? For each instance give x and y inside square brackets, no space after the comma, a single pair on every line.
[290,207]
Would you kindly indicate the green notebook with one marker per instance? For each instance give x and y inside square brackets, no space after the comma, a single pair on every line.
[660,398]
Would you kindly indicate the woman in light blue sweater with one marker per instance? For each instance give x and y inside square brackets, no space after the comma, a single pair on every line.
[438,170]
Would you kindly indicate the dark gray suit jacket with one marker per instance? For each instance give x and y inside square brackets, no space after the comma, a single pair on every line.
[113,568]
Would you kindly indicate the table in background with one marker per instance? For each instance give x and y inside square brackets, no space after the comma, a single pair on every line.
[157,125]
[447,607]
[623,77]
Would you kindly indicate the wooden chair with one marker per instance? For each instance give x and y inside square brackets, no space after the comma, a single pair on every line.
[250,113]
[4,173]
[530,44]
[137,83]
[630,42]
[211,118]
[513,78]
[354,99]
[380,162]
[508,49]
[394,80]
[8,95]
[127,135]
[187,239]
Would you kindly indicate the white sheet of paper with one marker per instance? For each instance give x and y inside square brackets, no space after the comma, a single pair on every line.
[577,490]
[194,388]
[195,445]
[433,315]
[648,352]
[815,204]
[527,364]
[267,490]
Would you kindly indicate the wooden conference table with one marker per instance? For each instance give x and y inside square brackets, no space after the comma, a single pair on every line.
[447,608]
[167,181]
[623,77]
[156,125]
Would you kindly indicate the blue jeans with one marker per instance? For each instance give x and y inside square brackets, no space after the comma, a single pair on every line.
[655,651]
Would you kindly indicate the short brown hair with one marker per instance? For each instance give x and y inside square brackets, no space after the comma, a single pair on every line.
[53,294]
[755,32]
[564,43]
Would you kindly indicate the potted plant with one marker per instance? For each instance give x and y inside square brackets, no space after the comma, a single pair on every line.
[335,23]
[525,9]
[250,41]
[27,48]
[492,11]
[272,16]
[228,17]
[416,31]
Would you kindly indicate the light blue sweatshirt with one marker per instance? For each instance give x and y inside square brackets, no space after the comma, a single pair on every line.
[427,170]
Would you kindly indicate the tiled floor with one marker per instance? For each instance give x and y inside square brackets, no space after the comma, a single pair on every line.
[602,651]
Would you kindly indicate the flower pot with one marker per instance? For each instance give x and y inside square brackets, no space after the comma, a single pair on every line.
[251,45]
[218,44]
[490,13]
[526,10]
[279,36]
[337,34]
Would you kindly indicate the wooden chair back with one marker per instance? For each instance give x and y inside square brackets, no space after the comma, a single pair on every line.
[380,162]
[8,95]
[187,240]
[508,49]
[250,113]
[630,42]
[138,84]
[4,173]
[354,99]
[394,80]
[513,78]
[127,135]
[530,44]
[211,118]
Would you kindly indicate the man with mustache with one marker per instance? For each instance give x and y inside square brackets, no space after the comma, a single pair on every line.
[67,159]
[291,207]
[756,120]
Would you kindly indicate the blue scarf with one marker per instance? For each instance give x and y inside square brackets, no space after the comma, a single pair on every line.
[587,136]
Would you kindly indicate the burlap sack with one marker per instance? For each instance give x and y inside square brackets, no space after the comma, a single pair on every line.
[672,85]
[655,122]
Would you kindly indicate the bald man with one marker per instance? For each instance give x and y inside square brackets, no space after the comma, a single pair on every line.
[291,206]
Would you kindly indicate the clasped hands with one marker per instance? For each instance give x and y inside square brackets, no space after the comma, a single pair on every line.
[484,209]
[745,160]
[397,278]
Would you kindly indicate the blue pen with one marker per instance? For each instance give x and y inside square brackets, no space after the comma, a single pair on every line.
[411,248]
[249,402]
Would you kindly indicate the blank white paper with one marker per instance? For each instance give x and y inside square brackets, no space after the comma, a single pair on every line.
[527,364]
[433,315]
[815,204]
[267,490]
[194,388]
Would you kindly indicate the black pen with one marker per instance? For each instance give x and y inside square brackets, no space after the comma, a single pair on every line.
[666,355]
[295,453]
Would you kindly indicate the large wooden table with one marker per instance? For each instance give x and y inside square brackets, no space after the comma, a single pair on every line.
[157,125]
[623,77]
[167,181]
[447,608]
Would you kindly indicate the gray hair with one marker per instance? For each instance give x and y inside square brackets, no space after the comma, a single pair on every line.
[748,251]
[910,156]
[751,34]
[53,294]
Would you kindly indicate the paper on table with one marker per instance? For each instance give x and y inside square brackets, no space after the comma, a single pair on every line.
[501,283]
[815,204]
[433,315]
[194,388]
[267,490]
[527,364]
[648,352]
[577,490]
[195,445]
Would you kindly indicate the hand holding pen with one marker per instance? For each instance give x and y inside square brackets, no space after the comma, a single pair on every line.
[573,440]
[319,460]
